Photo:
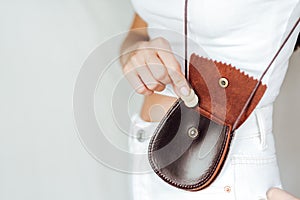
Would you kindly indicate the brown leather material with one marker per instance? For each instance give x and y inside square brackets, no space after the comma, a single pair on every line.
[184,162]
[190,145]
[193,163]
[227,97]
[223,104]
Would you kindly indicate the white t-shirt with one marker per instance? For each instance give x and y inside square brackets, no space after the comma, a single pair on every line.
[245,34]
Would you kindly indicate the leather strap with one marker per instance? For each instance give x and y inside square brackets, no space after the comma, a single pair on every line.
[185,40]
[263,75]
[260,79]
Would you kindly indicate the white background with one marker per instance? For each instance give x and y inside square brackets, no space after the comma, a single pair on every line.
[43,45]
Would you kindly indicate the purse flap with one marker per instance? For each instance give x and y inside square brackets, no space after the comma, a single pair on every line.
[223,90]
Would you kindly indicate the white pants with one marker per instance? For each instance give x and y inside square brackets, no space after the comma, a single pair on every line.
[249,171]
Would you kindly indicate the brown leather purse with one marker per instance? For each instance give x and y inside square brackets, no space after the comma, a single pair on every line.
[190,145]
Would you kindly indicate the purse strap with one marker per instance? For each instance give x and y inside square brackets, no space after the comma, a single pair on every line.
[261,77]
[185,40]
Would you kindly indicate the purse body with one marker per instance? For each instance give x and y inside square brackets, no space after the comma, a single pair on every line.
[187,162]
[190,145]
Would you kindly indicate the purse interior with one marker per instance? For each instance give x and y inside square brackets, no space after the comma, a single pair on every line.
[184,161]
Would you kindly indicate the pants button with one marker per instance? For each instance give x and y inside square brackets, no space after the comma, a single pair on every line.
[227,189]
[141,135]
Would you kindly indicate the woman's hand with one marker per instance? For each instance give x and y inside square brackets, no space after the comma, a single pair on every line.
[150,65]
[278,194]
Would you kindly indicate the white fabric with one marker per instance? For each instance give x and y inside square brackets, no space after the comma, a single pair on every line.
[250,169]
[245,33]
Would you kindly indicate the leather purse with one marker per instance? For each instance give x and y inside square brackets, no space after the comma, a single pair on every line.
[190,145]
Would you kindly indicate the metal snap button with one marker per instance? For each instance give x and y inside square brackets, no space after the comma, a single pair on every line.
[141,135]
[227,189]
[223,82]
[193,132]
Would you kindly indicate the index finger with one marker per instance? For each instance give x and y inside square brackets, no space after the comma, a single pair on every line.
[180,84]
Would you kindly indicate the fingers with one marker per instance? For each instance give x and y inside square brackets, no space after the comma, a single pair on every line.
[155,66]
[158,70]
[136,82]
[145,74]
[166,56]
[180,84]
[279,194]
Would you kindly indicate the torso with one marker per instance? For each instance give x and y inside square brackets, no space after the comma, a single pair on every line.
[245,34]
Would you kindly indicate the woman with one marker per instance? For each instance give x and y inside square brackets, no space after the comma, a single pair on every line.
[245,34]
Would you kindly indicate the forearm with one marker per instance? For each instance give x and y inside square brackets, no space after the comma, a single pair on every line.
[138,32]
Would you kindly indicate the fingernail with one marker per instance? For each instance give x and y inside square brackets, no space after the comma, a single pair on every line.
[184,91]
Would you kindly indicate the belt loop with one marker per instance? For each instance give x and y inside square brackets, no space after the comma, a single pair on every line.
[262,129]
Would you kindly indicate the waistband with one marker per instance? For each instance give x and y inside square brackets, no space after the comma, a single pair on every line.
[259,121]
